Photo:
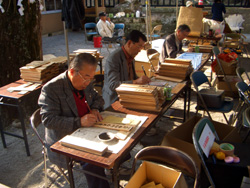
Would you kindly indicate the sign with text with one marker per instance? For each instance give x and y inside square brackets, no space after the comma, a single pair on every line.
[206,139]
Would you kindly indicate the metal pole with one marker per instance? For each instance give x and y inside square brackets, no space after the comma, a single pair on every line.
[176,11]
[147,19]
[66,40]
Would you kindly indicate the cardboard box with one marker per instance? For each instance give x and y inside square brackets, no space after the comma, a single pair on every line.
[229,68]
[149,171]
[223,85]
[181,137]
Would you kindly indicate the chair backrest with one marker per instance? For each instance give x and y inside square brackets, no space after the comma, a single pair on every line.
[198,78]
[216,51]
[240,71]
[150,52]
[91,25]
[35,121]
[170,157]
[156,30]
[119,26]
[246,117]
[242,88]
[196,136]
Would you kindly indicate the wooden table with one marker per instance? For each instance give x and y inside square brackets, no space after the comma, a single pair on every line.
[109,160]
[203,39]
[14,99]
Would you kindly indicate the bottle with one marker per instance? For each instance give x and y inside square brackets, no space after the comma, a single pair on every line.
[167,93]
[137,14]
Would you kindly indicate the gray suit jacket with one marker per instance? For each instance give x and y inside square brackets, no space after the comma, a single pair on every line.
[169,48]
[116,73]
[59,111]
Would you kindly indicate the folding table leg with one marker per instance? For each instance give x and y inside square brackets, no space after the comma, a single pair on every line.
[23,130]
[69,167]
[2,133]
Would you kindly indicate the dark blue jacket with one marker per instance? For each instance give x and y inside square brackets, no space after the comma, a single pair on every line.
[217,10]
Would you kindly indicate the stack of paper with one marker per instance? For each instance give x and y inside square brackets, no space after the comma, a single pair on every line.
[175,68]
[140,97]
[42,71]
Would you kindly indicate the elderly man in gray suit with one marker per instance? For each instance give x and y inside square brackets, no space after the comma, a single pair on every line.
[172,46]
[120,67]
[69,102]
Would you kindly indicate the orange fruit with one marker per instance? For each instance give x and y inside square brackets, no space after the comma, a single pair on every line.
[220,155]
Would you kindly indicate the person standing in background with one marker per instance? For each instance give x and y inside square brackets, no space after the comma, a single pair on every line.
[217,9]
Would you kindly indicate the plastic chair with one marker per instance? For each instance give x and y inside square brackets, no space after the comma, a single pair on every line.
[90,30]
[35,121]
[170,157]
[119,27]
[156,32]
[198,78]
[196,136]
[246,121]
[240,72]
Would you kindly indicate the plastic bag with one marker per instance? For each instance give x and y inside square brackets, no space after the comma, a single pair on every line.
[217,27]
[235,21]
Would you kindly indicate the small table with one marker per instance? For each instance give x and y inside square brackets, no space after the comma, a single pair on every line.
[108,160]
[14,99]
[230,175]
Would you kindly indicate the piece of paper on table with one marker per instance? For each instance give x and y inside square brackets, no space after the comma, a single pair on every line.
[158,83]
[119,120]
[114,146]
[206,139]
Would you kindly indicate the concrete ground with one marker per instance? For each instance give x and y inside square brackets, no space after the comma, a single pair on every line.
[18,170]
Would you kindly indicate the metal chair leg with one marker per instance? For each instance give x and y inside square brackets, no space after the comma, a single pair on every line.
[45,167]
[66,178]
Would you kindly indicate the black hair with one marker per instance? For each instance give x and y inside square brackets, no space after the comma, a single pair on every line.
[135,36]
[184,27]
[82,59]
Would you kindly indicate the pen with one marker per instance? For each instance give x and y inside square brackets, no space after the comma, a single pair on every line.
[143,70]
[88,107]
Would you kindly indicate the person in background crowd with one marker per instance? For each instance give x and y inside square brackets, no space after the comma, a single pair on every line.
[217,9]
[189,4]
[105,27]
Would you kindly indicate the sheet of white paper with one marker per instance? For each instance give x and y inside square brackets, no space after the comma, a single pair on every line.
[114,146]
[206,139]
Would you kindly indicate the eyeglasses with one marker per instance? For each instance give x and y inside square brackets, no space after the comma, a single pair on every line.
[138,46]
[86,80]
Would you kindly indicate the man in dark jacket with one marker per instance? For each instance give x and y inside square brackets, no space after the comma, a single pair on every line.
[172,45]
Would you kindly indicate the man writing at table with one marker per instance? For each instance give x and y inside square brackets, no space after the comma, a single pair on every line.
[69,102]
[120,67]
[172,45]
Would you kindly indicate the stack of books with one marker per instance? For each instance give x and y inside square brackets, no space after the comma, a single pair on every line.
[139,97]
[42,71]
[177,69]
[93,52]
